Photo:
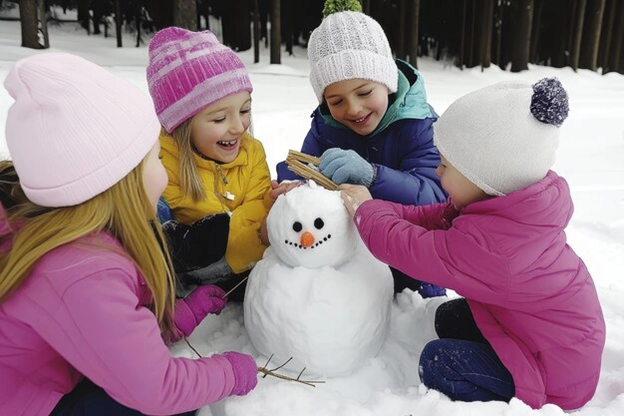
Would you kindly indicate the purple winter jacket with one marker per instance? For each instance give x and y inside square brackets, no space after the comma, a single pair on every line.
[82,312]
[531,295]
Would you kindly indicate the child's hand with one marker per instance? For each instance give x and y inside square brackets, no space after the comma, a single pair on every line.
[245,372]
[263,233]
[346,166]
[353,196]
[190,311]
[278,189]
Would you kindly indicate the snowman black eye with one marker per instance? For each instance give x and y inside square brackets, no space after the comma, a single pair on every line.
[297,226]
[318,223]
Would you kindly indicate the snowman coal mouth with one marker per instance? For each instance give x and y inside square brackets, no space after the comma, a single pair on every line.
[299,246]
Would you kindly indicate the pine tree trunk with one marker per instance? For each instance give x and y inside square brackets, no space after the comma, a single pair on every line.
[579,19]
[276,42]
[118,23]
[29,23]
[400,44]
[591,36]
[615,61]
[606,36]
[413,34]
[485,38]
[43,22]
[535,31]
[522,36]
[185,14]
[83,15]
[256,31]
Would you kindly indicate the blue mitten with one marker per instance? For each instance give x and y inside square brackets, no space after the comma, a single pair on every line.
[346,166]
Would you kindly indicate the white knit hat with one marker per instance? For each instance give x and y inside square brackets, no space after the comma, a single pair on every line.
[75,129]
[350,45]
[504,137]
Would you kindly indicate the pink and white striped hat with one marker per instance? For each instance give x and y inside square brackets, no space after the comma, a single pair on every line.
[188,71]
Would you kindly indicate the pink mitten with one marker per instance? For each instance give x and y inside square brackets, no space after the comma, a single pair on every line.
[245,372]
[190,311]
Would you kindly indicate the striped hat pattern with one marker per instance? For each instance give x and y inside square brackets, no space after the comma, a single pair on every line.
[188,71]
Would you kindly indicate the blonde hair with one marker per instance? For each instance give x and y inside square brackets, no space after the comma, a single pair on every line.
[124,210]
[190,181]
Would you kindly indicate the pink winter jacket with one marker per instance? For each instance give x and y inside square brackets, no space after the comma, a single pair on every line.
[81,312]
[531,295]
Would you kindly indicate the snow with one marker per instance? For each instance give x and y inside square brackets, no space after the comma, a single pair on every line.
[317,295]
[590,157]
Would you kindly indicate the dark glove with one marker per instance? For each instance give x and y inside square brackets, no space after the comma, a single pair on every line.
[346,166]
[202,243]
[190,311]
[245,372]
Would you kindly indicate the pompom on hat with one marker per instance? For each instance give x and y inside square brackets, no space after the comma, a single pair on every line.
[504,137]
[188,71]
[75,129]
[348,45]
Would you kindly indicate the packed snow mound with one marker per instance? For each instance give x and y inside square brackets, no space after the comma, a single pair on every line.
[317,295]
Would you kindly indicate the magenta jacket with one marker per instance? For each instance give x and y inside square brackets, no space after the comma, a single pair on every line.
[531,295]
[82,312]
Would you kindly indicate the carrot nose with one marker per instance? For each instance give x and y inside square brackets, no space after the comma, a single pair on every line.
[307,239]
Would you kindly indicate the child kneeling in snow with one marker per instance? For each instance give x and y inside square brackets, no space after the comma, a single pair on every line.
[219,179]
[529,324]
[86,290]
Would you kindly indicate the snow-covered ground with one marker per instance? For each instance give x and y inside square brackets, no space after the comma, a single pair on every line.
[590,157]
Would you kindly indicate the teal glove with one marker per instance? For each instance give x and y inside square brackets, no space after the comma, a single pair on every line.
[346,166]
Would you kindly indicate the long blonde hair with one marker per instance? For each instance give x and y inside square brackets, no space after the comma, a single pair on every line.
[124,210]
[190,181]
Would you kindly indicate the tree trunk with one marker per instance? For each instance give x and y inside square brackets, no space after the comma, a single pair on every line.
[161,12]
[498,28]
[43,22]
[185,14]
[485,38]
[29,24]
[579,19]
[287,19]
[591,36]
[606,35]
[462,36]
[83,15]
[256,31]
[400,43]
[522,36]
[615,61]
[236,25]
[276,42]
[118,18]
[366,6]
[412,43]
[535,31]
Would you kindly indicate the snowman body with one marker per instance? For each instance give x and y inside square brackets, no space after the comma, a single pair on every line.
[317,295]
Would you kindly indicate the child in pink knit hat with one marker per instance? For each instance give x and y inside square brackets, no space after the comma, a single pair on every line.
[219,180]
[87,296]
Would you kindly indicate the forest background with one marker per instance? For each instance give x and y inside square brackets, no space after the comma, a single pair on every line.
[511,34]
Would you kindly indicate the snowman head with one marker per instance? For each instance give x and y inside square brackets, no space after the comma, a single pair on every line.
[309,226]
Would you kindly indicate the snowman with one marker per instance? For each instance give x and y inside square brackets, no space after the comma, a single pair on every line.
[317,295]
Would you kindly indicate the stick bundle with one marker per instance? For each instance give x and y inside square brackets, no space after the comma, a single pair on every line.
[299,163]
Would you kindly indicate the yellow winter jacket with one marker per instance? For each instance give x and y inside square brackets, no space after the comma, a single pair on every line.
[240,188]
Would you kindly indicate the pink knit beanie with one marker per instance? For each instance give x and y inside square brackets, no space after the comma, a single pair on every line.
[188,71]
[75,129]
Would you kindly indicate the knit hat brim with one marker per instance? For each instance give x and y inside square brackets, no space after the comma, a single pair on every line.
[350,64]
[75,129]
